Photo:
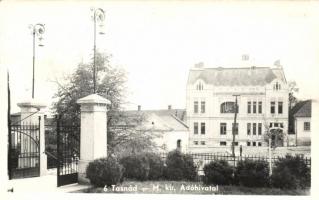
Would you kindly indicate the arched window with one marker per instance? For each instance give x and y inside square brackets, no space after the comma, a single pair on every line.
[178,144]
[228,107]
[277,86]
[200,86]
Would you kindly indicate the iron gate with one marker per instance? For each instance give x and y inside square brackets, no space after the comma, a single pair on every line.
[24,150]
[68,152]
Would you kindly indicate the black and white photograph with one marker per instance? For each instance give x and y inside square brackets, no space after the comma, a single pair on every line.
[202,99]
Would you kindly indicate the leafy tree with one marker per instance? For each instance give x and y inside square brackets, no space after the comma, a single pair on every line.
[128,135]
[110,84]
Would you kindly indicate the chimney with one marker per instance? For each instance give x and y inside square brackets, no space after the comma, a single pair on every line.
[251,71]
[199,65]
[139,107]
[169,107]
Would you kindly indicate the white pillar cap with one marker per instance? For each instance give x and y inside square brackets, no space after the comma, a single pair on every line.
[32,103]
[93,99]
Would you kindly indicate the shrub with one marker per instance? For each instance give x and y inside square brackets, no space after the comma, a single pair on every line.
[156,166]
[143,166]
[252,173]
[136,167]
[218,172]
[179,166]
[291,173]
[104,171]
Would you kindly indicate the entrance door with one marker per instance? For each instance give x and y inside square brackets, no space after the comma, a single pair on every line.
[68,151]
[277,137]
[24,150]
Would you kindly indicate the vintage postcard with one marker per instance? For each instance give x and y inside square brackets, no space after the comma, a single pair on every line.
[168,99]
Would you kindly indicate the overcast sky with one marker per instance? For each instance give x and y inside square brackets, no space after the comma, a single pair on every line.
[158,42]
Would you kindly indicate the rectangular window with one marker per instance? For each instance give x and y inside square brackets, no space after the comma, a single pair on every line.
[202,143]
[202,128]
[280,105]
[248,143]
[254,107]
[260,107]
[306,126]
[254,144]
[259,144]
[249,107]
[196,142]
[195,127]
[235,128]
[248,128]
[202,106]
[195,106]
[223,128]
[259,128]
[272,107]
[254,128]
[222,143]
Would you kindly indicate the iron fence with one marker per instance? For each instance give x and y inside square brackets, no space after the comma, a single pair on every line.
[24,150]
[201,159]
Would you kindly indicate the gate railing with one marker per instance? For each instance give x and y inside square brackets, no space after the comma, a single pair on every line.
[24,150]
[68,152]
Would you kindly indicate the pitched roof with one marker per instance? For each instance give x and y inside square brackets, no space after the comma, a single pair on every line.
[302,109]
[236,76]
[161,120]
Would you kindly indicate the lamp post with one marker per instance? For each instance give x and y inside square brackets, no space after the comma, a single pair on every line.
[98,18]
[37,31]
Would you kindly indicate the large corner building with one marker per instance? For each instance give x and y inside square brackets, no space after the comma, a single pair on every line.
[210,102]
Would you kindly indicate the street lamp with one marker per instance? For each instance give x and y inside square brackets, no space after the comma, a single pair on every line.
[98,18]
[37,31]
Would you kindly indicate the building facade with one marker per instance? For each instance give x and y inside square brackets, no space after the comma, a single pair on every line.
[262,100]
[302,122]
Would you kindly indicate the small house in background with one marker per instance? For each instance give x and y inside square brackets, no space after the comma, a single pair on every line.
[302,122]
[167,125]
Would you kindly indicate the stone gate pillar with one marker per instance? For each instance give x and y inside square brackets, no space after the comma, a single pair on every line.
[4,130]
[31,110]
[93,139]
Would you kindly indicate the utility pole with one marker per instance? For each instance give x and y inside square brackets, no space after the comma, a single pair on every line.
[234,125]
[234,130]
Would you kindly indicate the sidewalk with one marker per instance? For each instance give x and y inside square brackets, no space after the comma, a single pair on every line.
[46,183]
